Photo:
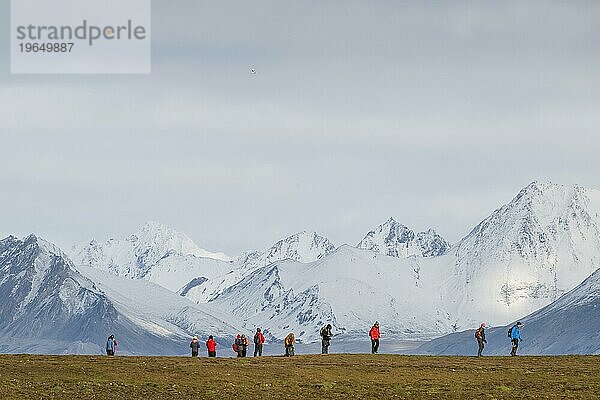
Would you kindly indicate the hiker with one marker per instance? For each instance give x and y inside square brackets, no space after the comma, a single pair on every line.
[289,345]
[246,345]
[194,346]
[234,346]
[241,343]
[211,346]
[514,334]
[480,336]
[238,345]
[111,346]
[374,334]
[326,336]
[259,340]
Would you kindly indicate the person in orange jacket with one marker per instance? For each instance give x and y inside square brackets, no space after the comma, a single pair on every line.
[211,346]
[374,334]
[289,342]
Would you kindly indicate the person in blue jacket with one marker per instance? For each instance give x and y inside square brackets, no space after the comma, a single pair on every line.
[515,337]
[111,346]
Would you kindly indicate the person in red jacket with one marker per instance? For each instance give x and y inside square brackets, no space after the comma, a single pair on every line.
[211,345]
[259,340]
[374,334]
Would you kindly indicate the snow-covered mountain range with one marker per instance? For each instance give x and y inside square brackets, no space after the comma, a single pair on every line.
[350,289]
[302,247]
[519,259]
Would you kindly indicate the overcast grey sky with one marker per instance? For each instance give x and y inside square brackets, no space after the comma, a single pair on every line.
[435,113]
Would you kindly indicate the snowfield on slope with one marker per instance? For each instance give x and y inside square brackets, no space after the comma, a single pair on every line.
[350,288]
[160,310]
[570,325]
[302,247]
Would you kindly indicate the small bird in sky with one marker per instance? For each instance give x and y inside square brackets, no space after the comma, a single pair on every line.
[252,71]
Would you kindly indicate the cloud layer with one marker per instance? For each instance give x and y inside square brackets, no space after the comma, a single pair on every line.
[432,113]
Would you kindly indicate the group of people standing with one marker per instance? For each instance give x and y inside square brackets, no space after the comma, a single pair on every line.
[241,343]
[514,334]
[211,346]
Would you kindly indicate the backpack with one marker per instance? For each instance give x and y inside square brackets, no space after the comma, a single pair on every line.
[510,331]
[478,333]
[257,339]
[289,340]
[234,347]
[323,331]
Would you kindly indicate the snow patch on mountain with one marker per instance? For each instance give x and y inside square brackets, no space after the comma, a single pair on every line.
[160,310]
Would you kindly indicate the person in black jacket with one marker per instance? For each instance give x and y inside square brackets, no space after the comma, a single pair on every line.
[480,336]
[326,336]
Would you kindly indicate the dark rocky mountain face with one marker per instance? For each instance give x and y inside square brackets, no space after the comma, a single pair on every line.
[48,307]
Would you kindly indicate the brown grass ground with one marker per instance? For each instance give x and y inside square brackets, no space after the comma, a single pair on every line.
[312,376]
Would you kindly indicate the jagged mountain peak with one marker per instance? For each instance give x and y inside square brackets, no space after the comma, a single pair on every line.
[396,240]
[305,235]
[157,253]
[168,240]
[303,246]
[540,213]
[136,254]
[35,245]
[530,251]
[538,195]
